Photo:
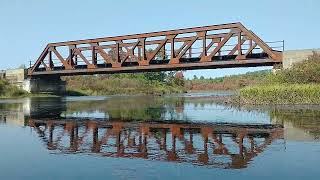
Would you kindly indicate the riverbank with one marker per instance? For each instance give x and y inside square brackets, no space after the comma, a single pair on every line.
[226,83]
[10,91]
[280,94]
[297,85]
[157,83]
[154,83]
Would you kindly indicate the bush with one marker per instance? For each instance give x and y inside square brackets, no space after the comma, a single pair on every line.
[7,90]
[138,83]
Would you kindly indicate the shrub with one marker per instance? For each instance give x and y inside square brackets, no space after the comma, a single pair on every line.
[7,90]
[138,83]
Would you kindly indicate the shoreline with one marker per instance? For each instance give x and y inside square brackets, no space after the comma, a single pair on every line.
[232,99]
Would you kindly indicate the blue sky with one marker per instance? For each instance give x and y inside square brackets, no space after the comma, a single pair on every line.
[27,26]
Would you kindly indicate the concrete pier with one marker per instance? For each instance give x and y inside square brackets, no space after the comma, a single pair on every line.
[49,85]
[37,85]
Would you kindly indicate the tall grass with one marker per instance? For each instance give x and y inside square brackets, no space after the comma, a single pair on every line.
[297,85]
[281,94]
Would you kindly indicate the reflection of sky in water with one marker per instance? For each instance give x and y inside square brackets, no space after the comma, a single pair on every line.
[85,98]
[219,113]
[95,114]
[202,94]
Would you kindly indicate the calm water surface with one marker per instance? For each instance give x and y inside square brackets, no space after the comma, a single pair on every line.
[185,136]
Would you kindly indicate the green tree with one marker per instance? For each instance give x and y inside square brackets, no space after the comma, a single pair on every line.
[195,77]
[155,76]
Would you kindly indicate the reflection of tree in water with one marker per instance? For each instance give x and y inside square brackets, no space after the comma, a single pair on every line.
[9,109]
[132,108]
[306,119]
[10,106]
[140,107]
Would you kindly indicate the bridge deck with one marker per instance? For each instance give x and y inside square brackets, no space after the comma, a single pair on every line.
[104,69]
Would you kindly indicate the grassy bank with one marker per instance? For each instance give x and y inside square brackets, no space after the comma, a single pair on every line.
[280,94]
[157,83]
[298,85]
[9,91]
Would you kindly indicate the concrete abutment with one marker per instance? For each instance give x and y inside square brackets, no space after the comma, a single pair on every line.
[48,85]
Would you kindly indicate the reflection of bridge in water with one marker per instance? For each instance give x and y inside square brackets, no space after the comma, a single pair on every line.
[212,145]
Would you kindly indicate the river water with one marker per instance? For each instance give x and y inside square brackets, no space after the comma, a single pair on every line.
[187,136]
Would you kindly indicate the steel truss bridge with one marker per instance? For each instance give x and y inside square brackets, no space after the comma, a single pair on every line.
[207,47]
[213,145]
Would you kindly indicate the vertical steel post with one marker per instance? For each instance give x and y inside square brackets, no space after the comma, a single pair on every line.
[143,49]
[204,43]
[50,59]
[250,44]
[117,52]
[94,56]
[239,44]
[70,61]
[139,53]
[164,52]
[172,48]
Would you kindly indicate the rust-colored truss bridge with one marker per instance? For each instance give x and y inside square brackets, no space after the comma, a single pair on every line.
[207,47]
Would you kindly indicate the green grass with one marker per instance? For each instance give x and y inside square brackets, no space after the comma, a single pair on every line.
[9,91]
[297,85]
[280,94]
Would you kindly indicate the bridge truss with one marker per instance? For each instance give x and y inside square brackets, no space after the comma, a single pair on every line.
[207,47]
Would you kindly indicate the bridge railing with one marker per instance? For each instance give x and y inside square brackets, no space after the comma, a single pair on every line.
[182,47]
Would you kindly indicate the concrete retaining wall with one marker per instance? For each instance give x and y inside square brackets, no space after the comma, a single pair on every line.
[294,56]
[16,76]
[2,74]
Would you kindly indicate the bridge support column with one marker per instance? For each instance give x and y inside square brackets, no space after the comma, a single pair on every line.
[48,85]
